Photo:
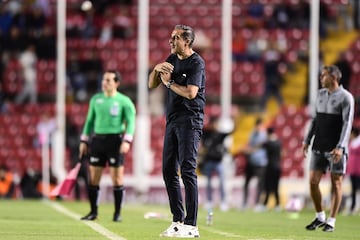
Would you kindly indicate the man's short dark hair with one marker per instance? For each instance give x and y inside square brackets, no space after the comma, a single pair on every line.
[117,77]
[270,130]
[187,34]
[334,71]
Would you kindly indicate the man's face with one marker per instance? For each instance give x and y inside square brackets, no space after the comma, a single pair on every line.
[108,82]
[177,43]
[326,79]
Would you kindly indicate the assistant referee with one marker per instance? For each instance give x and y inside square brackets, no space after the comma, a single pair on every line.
[110,124]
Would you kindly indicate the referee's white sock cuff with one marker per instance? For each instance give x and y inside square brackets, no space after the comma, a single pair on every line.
[321,216]
[331,221]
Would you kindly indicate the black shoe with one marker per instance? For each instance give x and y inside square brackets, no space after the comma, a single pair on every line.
[117,217]
[90,217]
[328,228]
[316,223]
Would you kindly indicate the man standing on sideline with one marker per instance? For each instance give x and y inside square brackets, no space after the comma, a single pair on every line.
[111,120]
[273,149]
[183,74]
[256,162]
[213,150]
[330,128]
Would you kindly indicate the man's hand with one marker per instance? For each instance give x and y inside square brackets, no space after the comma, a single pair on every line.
[124,147]
[165,78]
[164,67]
[337,154]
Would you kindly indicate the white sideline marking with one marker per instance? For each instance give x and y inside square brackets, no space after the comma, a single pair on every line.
[96,227]
[221,233]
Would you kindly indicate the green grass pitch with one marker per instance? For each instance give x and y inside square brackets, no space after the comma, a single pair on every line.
[40,220]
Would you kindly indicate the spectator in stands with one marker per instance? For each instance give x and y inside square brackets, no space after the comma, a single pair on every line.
[183,74]
[20,17]
[28,61]
[123,25]
[92,66]
[111,121]
[14,43]
[255,47]
[345,68]
[273,169]
[273,77]
[254,14]
[32,185]
[106,29]
[256,161]
[212,151]
[46,44]
[29,184]
[282,15]
[239,48]
[76,76]
[6,19]
[353,167]
[91,23]
[7,185]
[35,21]
[299,12]
[329,133]
[45,128]
[45,7]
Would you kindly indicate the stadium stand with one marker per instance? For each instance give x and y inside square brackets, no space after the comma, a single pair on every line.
[17,126]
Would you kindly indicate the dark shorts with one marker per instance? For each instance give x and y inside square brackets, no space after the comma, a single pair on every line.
[322,162]
[105,148]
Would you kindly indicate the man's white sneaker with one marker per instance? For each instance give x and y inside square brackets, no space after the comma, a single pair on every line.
[260,208]
[187,231]
[172,230]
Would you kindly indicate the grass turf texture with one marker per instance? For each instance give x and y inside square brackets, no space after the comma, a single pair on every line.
[20,219]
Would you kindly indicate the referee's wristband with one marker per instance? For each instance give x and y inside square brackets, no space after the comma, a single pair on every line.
[83,141]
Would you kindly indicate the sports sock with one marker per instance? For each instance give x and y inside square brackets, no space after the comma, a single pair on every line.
[118,195]
[93,192]
[321,216]
[331,221]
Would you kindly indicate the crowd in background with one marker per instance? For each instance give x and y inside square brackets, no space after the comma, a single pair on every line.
[28,36]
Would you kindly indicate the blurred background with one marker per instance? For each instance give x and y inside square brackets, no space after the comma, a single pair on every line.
[269,77]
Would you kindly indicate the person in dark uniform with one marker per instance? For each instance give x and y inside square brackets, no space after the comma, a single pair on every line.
[213,151]
[273,168]
[256,162]
[183,74]
[330,130]
[111,120]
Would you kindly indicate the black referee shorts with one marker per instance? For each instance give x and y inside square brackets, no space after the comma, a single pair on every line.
[105,148]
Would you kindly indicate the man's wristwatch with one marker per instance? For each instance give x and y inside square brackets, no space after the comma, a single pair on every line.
[169,83]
